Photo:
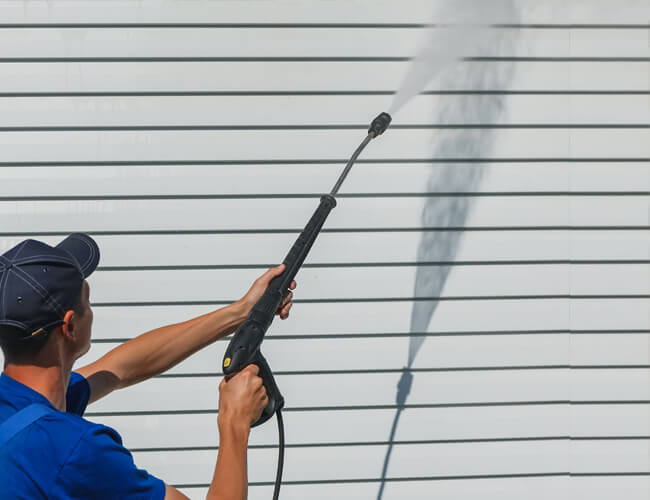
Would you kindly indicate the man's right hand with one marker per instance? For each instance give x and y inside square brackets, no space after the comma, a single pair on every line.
[242,398]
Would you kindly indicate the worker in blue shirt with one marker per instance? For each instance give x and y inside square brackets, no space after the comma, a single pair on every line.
[47,449]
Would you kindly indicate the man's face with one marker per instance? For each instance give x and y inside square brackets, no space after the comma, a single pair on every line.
[83,321]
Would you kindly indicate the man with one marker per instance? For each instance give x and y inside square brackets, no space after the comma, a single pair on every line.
[47,450]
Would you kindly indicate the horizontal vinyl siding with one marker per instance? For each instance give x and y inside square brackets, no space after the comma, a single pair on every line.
[193,139]
[297,76]
[281,14]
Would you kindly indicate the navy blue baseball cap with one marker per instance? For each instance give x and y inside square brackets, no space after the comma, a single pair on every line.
[39,283]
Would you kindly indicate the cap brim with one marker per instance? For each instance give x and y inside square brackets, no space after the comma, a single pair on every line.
[84,250]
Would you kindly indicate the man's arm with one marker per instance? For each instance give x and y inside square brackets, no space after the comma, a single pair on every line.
[159,350]
[230,479]
[241,401]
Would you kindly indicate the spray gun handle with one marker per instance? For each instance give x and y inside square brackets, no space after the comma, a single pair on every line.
[276,401]
[244,347]
[244,350]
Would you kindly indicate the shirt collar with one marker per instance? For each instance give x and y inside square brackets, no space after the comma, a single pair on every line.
[10,384]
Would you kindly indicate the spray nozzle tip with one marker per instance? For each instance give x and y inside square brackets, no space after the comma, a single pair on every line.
[380,124]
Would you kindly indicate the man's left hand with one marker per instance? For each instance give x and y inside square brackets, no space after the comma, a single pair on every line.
[259,287]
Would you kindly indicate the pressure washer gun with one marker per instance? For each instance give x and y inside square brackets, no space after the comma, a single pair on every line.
[244,347]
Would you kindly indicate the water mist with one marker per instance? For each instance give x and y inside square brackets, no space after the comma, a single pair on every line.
[440,57]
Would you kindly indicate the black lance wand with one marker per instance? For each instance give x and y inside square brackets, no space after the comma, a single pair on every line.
[244,347]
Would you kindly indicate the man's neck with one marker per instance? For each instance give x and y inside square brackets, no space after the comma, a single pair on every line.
[50,381]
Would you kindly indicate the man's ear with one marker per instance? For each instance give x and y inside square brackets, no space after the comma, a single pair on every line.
[68,325]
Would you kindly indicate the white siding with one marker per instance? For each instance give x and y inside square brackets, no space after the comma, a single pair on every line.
[192,140]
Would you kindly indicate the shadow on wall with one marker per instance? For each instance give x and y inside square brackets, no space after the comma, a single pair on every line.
[453,212]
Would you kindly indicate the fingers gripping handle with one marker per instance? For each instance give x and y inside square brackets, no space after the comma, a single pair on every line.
[246,351]
[276,401]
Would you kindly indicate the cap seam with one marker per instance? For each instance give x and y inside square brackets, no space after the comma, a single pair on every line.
[90,257]
[20,248]
[13,322]
[3,292]
[33,259]
[36,286]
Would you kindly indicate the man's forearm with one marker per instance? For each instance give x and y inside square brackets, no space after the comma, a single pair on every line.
[230,480]
[157,351]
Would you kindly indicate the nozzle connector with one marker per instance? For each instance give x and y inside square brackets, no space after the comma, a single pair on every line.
[380,124]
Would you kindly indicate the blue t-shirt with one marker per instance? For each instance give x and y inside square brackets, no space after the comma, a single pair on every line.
[62,456]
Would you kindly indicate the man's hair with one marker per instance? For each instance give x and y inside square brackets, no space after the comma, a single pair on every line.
[17,351]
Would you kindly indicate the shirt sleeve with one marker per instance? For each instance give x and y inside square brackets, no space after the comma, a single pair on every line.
[78,394]
[102,469]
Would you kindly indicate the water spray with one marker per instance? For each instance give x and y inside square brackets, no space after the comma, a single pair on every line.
[470,36]
[244,347]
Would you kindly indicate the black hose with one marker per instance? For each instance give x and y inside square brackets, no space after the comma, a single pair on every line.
[278,475]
